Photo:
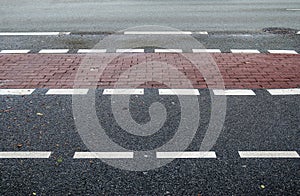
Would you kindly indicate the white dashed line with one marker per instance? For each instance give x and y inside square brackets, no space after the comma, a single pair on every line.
[206,50]
[282,51]
[35,33]
[91,51]
[129,50]
[185,155]
[56,51]
[298,33]
[16,91]
[292,91]
[178,92]
[268,154]
[293,9]
[250,51]
[202,32]
[123,92]
[14,51]
[157,32]
[25,155]
[168,50]
[103,155]
[67,91]
[233,92]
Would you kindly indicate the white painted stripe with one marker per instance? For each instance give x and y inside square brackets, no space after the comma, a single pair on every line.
[178,92]
[185,155]
[169,50]
[282,51]
[57,51]
[233,92]
[103,155]
[202,33]
[291,91]
[14,51]
[157,32]
[252,51]
[25,155]
[123,91]
[16,91]
[35,33]
[67,91]
[207,50]
[298,32]
[129,50]
[268,154]
[91,51]
[293,9]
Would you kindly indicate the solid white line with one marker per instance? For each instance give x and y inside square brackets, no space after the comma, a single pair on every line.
[103,155]
[67,91]
[25,155]
[129,50]
[56,51]
[123,91]
[282,51]
[291,91]
[157,32]
[169,50]
[202,33]
[35,33]
[14,51]
[178,92]
[185,155]
[252,51]
[298,32]
[91,51]
[293,9]
[233,92]
[206,50]
[16,91]
[268,154]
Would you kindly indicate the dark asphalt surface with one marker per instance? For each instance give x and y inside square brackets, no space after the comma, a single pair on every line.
[255,123]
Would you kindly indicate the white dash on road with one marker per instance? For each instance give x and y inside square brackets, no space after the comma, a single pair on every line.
[169,50]
[157,32]
[54,51]
[268,154]
[291,91]
[186,155]
[136,91]
[91,51]
[35,33]
[67,91]
[298,33]
[202,32]
[206,50]
[103,155]
[25,155]
[16,91]
[14,51]
[250,51]
[282,51]
[233,92]
[293,9]
[129,50]
[178,92]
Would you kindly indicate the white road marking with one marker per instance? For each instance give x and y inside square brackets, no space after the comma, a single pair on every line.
[178,92]
[169,50]
[185,155]
[35,33]
[202,33]
[129,50]
[103,155]
[16,91]
[91,51]
[252,51]
[25,155]
[293,9]
[14,51]
[282,51]
[67,91]
[268,154]
[56,51]
[123,91]
[206,50]
[157,32]
[298,33]
[233,92]
[291,91]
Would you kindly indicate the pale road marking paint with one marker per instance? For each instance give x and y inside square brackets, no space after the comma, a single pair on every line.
[25,155]
[282,51]
[293,9]
[67,91]
[202,33]
[129,50]
[35,33]
[298,32]
[186,155]
[91,51]
[178,92]
[123,91]
[206,50]
[157,32]
[56,51]
[292,91]
[169,50]
[16,91]
[250,51]
[268,154]
[103,155]
[14,51]
[233,92]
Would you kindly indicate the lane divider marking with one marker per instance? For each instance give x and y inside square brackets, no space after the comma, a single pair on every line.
[249,51]
[103,155]
[129,50]
[292,91]
[35,33]
[206,50]
[168,50]
[123,91]
[157,33]
[282,51]
[14,51]
[268,154]
[91,51]
[16,91]
[25,155]
[55,51]
[233,92]
[178,92]
[67,91]
[298,33]
[186,155]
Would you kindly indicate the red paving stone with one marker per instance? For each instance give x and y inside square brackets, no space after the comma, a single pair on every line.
[150,70]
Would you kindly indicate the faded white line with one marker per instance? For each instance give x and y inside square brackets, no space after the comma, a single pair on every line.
[251,51]
[91,51]
[282,51]
[129,50]
[56,51]
[293,9]
[103,155]
[25,155]
[298,32]
[291,91]
[206,50]
[14,51]
[268,154]
[233,92]
[186,155]
[123,91]
[157,32]
[16,91]
[178,92]
[35,33]
[67,91]
[202,32]
[169,50]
